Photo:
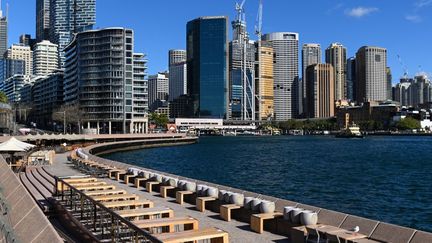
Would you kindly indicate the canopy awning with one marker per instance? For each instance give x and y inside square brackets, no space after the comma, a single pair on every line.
[15,145]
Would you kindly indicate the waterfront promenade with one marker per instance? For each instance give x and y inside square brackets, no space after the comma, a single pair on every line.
[239,232]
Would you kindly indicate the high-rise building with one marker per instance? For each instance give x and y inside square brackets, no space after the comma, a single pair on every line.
[264,81]
[105,88]
[336,56]
[42,19]
[371,75]
[45,58]
[3,32]
[9,68]
[389,83]
[177,74]
[21,52]
[412,92]
[286,74]
[158,90]
[320,91]
[47,97]
[241,92]
[68,17]
[207,71]
[13,85]
[311,54]
[351,78]
[27,40]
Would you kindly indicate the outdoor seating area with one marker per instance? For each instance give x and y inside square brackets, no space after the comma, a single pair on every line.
[142,213]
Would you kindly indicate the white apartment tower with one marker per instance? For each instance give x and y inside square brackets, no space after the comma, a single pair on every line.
[21,52]
[45,58]
[286,77]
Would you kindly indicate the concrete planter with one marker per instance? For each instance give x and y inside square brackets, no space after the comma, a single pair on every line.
[237,199]
[255,204]
[295,215]
[190,186]
[308,218]
[267,207]
[287,211]
[247,202]
[212,192]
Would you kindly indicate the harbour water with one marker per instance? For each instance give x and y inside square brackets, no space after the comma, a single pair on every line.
[382,178]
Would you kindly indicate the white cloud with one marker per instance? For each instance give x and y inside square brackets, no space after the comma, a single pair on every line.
[413,18]
[360,11]
[423,3]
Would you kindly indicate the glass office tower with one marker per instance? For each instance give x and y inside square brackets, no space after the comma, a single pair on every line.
[207,66]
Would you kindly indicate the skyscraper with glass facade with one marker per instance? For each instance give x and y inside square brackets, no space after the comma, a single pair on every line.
[3,33]
[42,19]
[68,17]
[207,66]
[177,74]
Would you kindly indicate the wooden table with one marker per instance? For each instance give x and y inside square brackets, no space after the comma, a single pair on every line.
[225,211]
[91,188]
[322,228]
[94,183]
[127,178]
[201,201]
[75,180]
[347,235]
[187,222]
[214,234]
[112,171]
[150,184]
[164,190]
[180,196]
[257,220]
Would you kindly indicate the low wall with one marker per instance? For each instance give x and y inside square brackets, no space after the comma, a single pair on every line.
[376,230]
[23,219]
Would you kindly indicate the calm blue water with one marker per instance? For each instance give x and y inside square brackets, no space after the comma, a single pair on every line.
[383,178]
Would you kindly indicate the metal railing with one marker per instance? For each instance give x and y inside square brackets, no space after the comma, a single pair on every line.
[104,223]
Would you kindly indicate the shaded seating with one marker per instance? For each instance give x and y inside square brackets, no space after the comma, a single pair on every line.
[164,190]
[129,203]
[188,223]
[225,211]
[257,220]
[186,188]
[162,212]
[213,234]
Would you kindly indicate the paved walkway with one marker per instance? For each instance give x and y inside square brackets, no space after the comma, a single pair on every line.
[239,232]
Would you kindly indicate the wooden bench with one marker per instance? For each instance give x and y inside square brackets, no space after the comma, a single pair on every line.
[163,212]
[164,190]
[105,192]
[74,180]
[111,172]
[213,234]
[95,183]
[92,188]
[115,197]
[138,180]
[201,201]
[180,196]
[129,203]
[225,211]
[150,184]
[119,173]
[188,223]
[257,220]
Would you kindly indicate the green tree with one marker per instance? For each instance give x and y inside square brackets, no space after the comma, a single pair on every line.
[3,97]
[160,120]
[408,123]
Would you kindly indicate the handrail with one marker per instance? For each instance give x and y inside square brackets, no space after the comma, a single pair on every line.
[60,183]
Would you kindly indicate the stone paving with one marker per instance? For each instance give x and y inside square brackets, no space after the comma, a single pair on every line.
[239,232]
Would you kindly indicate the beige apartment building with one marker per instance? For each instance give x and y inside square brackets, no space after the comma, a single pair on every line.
[320,98]
[21,52]
[264,82]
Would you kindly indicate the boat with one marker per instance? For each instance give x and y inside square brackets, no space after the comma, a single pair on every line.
[352,131]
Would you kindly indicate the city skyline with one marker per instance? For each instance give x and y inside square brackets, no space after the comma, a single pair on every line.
[332,21]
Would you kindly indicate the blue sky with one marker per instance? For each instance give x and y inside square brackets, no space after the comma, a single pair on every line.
[401,26]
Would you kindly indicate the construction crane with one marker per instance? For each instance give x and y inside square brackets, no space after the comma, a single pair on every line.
[240,11]
[258,25]
[404,67]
